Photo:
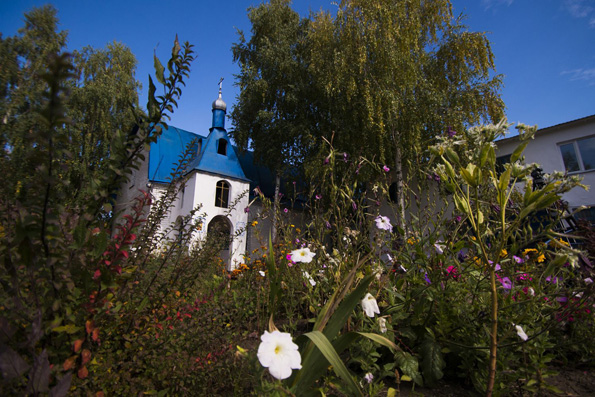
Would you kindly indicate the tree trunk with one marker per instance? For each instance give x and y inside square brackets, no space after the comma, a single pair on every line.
[400,191]
[276,205]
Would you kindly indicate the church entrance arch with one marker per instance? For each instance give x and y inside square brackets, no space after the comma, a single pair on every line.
[219,232]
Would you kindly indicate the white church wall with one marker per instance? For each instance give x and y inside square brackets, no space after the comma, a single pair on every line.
[204,189]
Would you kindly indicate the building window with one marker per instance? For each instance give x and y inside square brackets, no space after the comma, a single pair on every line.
[501,162]
[579,155]
[222,194]
[222,147]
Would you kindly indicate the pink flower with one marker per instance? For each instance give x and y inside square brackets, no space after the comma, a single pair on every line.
[385,168]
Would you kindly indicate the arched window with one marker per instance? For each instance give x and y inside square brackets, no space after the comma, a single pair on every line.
[222,194]
[219,231]
[222,146]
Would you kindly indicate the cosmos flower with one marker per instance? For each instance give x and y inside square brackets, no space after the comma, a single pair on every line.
[370,305]
[279,354]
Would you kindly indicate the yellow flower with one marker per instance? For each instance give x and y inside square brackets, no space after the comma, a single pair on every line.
[411,240]
[254,223]
[540,258]
[503,253]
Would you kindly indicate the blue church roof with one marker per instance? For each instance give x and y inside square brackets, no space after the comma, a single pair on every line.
[167,151]
[218,156]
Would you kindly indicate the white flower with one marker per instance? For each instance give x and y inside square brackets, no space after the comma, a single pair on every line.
[368,377]
[382,324]
[261,273]
[439,248]
[302,255]
[279,354]
[383,223]
[520,332]
[370,305]
[310,279]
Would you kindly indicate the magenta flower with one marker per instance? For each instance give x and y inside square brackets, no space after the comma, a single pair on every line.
[285,210]
[506,283]
[385,168]
[318,196]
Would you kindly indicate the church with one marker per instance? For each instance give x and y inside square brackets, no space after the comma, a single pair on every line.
[220,180]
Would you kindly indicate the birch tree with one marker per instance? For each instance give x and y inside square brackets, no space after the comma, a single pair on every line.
[273,101]
[394,74]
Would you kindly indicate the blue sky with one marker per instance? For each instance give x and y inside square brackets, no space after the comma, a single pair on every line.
[545,48]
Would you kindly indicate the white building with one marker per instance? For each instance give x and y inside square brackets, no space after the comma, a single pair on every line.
[567,147]
[215,181]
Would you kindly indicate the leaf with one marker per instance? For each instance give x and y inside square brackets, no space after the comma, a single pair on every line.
[83,372]
[381,340]
[329,352]
[77,345]
[12,364]
[159,69]
[85,356]
[62,387]
[39,377]
[409,365]
[518,151]
[432,361]
[69,363]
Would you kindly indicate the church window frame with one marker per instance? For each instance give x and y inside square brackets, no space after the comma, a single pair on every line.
[222,147]
[222,190]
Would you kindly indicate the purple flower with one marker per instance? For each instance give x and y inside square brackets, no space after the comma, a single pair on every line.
[385,168]
[436,177]
[353,205]
[326,161]
[318,196]
[345,157]
[247,209]
[517,259]
[553,280]
[458,218]
[285,210]
[497,268]
[328,225]
[427,278]
[451,132]
[506,283]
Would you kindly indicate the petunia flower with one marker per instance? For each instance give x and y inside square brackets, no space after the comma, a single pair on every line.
[370,305]
[302,255]
[520,332]
[279,354]
[506,283]
[383,223]
[309,278]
